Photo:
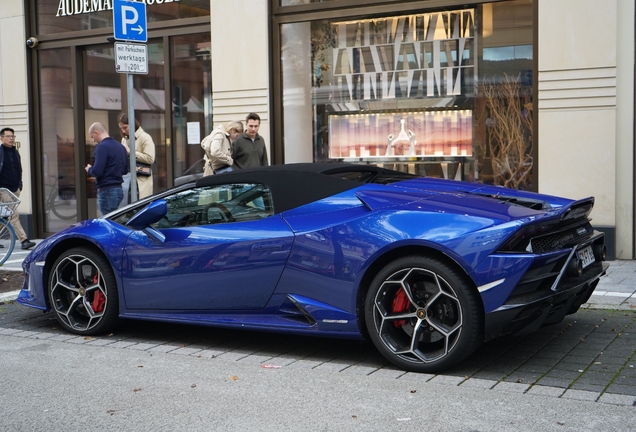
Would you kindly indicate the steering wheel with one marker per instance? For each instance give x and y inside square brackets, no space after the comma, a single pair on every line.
[225,212]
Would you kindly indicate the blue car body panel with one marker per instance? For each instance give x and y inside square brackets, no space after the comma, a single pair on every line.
[303,269]
[103,234]
[203,268]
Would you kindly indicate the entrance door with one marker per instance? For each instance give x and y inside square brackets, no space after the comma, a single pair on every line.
[104,93]
[190,104]
[72,98]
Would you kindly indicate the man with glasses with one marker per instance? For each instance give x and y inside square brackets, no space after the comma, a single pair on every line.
[11,178]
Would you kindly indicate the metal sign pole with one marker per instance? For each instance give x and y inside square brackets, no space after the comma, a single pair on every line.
[131,140]
[130,24]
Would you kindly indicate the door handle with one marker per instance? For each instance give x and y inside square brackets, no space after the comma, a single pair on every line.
[269,246]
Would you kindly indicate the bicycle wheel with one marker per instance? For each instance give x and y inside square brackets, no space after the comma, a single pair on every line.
[7,240]
[63,206]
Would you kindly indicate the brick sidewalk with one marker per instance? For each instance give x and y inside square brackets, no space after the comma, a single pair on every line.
[590,356]
[617,289]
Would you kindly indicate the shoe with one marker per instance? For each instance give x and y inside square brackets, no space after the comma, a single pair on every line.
[27,244]
[1,246]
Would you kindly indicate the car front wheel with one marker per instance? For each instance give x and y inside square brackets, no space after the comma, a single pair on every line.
[422,315]
[83,292]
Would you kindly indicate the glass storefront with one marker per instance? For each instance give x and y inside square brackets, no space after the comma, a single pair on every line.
[76,83]
[442,93]
[446,92]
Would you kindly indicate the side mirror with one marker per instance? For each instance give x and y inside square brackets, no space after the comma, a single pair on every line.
[149,215]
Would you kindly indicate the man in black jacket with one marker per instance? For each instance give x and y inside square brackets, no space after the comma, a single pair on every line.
[11,178]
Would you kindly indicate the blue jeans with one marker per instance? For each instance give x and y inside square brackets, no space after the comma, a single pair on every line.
[108,200]
[224,169]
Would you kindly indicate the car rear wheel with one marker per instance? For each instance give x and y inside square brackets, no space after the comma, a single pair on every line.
[83,292]
[422,315]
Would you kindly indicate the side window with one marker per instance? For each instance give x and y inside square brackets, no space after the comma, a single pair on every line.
[217,204]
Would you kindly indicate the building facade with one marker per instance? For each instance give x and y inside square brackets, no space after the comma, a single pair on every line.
[532,94]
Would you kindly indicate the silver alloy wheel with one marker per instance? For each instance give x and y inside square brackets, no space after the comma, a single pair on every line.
[417,315]
[78,292]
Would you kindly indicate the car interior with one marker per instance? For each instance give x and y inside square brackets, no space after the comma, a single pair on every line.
[218,204]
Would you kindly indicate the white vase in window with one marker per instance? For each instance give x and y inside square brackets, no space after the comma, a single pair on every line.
[402,138]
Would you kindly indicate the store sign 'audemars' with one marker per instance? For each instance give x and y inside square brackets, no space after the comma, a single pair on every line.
[428,55]
[76,7]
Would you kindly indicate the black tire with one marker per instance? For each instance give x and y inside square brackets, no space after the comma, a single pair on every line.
[83,292]
[422,315]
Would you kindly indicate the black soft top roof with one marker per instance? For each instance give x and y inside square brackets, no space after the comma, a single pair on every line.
[294,185]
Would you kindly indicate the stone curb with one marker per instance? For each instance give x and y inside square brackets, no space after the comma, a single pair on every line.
[264,362]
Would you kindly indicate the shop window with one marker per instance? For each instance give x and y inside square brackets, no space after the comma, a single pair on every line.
[503,136]
[422,92]
[58,139]
[191,94]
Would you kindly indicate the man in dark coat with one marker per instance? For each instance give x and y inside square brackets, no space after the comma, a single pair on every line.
[11,178]
[111,163]
[249,148]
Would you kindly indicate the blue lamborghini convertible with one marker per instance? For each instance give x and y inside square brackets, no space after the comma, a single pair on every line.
[427,269]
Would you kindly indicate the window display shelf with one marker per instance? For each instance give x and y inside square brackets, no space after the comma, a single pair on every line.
[448,167]
[406,159]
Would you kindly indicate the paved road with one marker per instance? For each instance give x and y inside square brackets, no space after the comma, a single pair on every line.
[51,385]
[577,375]
[14,263]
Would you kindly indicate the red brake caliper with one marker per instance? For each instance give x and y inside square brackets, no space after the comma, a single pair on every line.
[400,304]
[99,299]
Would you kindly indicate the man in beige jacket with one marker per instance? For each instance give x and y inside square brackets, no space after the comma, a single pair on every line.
[144,153]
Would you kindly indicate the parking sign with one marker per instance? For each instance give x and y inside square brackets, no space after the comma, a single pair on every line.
[129,21]
[131,58]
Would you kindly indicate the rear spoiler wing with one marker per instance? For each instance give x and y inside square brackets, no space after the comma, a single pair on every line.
[577,209]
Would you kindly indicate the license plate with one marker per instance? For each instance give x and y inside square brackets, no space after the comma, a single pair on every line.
[586,256]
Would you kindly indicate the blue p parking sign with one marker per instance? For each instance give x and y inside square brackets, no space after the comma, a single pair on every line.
[129,21]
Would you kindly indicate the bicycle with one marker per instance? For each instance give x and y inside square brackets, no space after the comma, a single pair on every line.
[60,200]
[8,206]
